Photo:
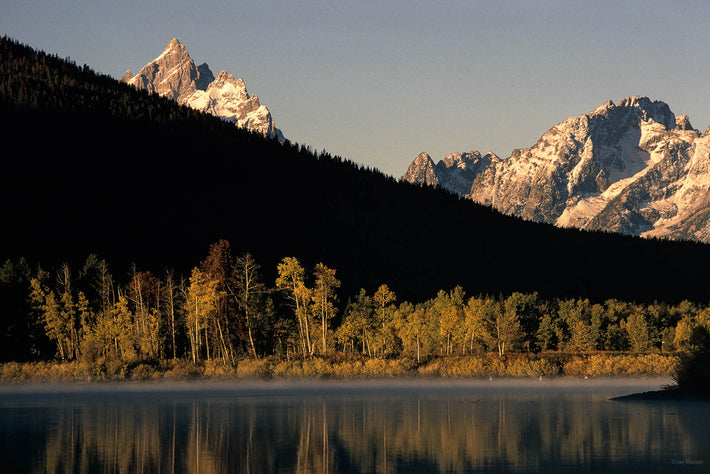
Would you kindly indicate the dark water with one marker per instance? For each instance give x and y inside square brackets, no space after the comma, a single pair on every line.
[481,426]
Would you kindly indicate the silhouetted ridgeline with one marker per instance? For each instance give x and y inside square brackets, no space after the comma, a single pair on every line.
[102,168]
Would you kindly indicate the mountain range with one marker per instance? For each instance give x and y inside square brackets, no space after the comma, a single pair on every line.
[135,178]
[632,167]
[174,74]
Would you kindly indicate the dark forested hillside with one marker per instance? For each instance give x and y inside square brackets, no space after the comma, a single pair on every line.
[90,165]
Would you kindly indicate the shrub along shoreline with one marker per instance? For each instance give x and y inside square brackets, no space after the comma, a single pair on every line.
[551,364]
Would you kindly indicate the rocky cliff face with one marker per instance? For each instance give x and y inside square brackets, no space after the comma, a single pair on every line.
[421,171]
[175,75]
[456,172]
[631,167]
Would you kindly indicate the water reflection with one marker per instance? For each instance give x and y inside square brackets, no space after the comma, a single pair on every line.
[361,428]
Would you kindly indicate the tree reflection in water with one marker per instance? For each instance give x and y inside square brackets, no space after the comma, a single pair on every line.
[473,428]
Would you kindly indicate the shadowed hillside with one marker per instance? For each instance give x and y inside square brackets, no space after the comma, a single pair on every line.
[98,167]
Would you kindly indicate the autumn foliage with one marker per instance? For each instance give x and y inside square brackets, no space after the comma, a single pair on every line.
[225,315]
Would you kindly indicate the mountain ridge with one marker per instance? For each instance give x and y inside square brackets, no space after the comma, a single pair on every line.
[633,167]
[175,75]
[197,179]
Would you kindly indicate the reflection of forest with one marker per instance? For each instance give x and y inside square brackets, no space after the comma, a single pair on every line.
[367,434]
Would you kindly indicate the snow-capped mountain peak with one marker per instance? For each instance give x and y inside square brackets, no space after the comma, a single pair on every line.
[632,167]
[173,74]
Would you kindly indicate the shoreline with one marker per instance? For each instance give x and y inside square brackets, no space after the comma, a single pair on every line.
[672,394]
[602,388]
[517,366]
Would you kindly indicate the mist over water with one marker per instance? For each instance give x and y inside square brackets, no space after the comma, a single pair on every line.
[362,426]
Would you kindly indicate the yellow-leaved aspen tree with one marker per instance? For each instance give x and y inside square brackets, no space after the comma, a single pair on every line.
[504,324]
[382,298]
[87,319]
[290,279]
[199,305]
[637,329]
[323,296]
[450,315]
[68,310]
[101,330]
[358,322]
[414,328]
[45,303]
[474,321]
[123,332]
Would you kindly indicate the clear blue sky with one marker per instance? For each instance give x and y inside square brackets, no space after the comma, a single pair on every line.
[380,81]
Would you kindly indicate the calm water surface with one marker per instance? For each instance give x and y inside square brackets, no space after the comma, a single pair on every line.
[408,426]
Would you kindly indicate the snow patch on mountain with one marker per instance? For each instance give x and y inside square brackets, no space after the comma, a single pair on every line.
[633,167]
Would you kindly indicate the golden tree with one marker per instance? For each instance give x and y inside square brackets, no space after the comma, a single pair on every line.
[46,304]
[503,325]
[200,305]
[323,297]
[291,280]
[58,312]
[474,323]
[383,299]
[413,327]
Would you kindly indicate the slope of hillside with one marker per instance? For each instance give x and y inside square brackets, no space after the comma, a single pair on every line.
[136,178]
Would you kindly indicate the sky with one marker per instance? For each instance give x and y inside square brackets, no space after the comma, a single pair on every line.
[378,82]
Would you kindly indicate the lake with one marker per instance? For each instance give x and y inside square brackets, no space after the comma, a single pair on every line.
[363,426]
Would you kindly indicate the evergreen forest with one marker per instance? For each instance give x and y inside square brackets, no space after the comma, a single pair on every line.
[135,230]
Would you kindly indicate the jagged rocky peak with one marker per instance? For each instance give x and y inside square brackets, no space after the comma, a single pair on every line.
[172,74]
[175,75]
[633,167]
[648,109]
[228,84]
[459,160]
[421,171]
[682,122]
[228,98]
[466,160]
[609,104]
[629,112]
[455,172]
[126,77]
